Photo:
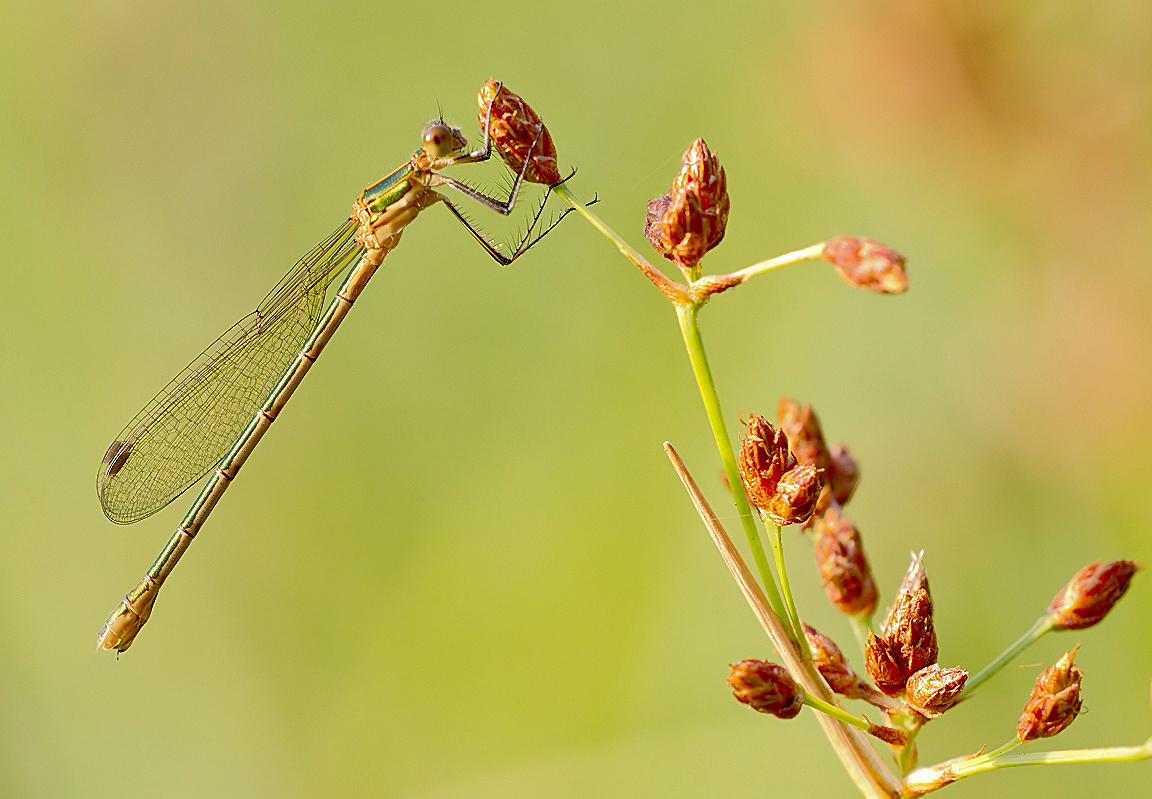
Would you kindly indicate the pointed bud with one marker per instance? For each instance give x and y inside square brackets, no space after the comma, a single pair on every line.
[867,264]
[883,666]
[844,569]
[690,220]
[915,579]
[1091,593]
[932,690]
[763,459]
[830,662]
[766,687]
[799,423]
[515,130]
[702,174]
[889,735]
[783,492]
[796,496]
[833,666]
[1055,700]
[844,474]
[910,633]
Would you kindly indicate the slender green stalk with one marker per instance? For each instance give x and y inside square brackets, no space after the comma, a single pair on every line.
[930,778]
[860,629]
[777,545]
[838,713]
[906,757]
[1042,625]
[686,314]
[565,191]
[1103,754]
[806,254]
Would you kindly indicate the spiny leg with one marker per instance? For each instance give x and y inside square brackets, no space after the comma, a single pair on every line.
[485,150]
[501,207]
[526,242]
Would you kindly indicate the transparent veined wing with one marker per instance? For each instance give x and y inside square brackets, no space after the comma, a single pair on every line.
[188,427]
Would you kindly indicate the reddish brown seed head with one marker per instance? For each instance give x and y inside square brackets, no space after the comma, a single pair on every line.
[883,666]
[831,663]
[515,130]
[844,475]
[910,632]
[763,459]
[838,469]
[688,221]
[915,579]
[1091,593]
[932,690]
[1055,700]
[867,264]
[796,496]
[843,566]
[766,687]
[800,424]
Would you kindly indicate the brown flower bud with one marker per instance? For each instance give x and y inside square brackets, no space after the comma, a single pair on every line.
[843,567]
[689,221]
[932,690]
[867,264]
[883,666]
[763,459]
[1091,593]
[795,497]
[889,735]
[915,579]
[799,423]
[838,468]
[781,490]
[843,475]
[766,687]
[1055,700]
[515,129]
[675,227]
[909,630]
[830,662]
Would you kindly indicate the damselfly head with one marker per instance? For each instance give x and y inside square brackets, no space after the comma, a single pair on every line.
[441,139]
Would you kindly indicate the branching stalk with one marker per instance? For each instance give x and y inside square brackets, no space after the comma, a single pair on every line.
[1034,634]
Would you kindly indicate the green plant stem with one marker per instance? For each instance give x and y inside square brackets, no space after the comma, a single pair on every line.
[774,540]
[806,254]
[930,778]
[906,757]
[686,314]
[564,191]
[1103,754]
[838,713]
[1035,632]
[860,628]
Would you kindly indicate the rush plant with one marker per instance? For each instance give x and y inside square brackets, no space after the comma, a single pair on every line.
[786,474]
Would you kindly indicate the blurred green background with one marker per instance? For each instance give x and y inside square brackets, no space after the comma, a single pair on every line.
[461,565]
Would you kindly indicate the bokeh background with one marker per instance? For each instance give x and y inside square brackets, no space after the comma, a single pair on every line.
[460,565]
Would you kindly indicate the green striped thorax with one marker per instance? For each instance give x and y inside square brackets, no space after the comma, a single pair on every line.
[388,205]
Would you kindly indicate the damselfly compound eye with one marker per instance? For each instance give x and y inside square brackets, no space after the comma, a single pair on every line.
[438,139]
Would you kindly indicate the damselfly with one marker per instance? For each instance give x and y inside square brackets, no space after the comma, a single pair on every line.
[212,414]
